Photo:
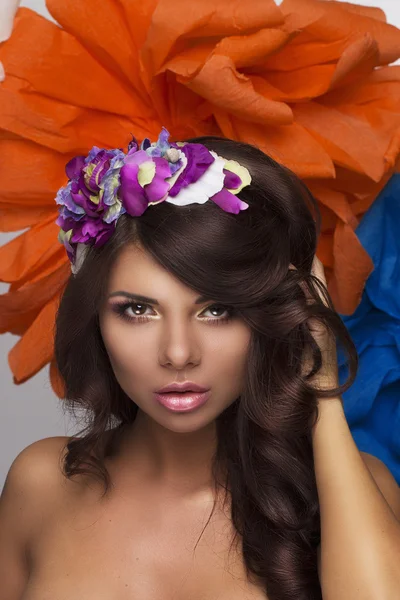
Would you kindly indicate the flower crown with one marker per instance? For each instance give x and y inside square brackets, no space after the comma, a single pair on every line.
[108,183]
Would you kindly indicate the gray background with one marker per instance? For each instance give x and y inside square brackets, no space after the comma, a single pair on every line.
[31,411]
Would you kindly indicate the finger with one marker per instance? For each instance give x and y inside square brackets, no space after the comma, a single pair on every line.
[318,270]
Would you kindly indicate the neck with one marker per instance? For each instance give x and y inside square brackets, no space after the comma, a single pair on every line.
[173,461]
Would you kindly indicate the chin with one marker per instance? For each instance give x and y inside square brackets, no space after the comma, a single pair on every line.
[183,422]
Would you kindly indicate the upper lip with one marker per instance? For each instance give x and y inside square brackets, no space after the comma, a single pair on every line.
[186,386]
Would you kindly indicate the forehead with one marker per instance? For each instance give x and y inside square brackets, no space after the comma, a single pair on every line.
[136,270]
[133,258]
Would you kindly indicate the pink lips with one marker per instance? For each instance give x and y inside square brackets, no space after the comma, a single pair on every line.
[182,402]
[185,386]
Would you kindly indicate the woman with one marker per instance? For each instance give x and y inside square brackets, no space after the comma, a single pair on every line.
[234,489]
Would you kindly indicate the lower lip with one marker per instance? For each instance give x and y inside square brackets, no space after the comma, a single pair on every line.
[183,402]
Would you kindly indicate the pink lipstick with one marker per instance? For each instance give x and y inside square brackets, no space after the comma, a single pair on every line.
[182,401]
[182,397]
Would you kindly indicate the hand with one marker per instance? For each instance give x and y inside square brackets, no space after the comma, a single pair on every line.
[328,376]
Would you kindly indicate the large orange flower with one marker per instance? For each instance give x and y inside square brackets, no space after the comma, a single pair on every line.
[308,82]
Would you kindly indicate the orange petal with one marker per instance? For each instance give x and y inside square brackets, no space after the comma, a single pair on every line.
[243,50]
[329,220]
[351,270]
[31,251]
[219,82]
[188,62]
[253,49]
[336,201]
[334,20]
[70,73]
[356,60]
[35,349]
[172,23]
[43,170]
[61,126]
[349,141]
[18,309]
[373,12]
[107,35]
[380,87]
[302,52]
[292,146]
[24,201]
[14,218]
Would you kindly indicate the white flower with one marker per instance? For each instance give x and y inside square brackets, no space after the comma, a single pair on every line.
[211,182]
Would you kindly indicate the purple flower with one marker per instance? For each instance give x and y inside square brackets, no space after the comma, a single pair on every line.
[143,181]
[92,230]
[158,148]
[198,161]
[68,206]
[89,206]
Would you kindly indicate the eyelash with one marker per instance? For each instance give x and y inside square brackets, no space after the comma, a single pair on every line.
[120,310]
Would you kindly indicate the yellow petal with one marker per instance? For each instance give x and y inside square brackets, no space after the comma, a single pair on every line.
[146,172]
[242,172]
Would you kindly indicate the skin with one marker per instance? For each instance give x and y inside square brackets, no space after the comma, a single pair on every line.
[175,344]
[139,542]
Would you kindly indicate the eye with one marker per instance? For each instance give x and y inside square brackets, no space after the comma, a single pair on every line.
[122,310]
[216,307]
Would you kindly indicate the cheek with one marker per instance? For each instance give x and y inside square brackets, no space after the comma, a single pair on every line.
[129,352]
[229,356]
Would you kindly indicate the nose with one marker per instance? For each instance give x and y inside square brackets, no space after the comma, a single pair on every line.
[179,347]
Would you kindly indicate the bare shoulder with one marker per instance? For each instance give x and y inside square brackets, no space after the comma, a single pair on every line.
[36,470]
[34,480]
[385,481]
[33,483]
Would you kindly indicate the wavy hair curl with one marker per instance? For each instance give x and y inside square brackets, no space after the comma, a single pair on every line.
[264,443]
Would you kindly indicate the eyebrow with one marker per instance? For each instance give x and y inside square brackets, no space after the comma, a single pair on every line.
[147,299]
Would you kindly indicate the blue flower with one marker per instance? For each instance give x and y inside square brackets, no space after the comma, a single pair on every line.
[372,404]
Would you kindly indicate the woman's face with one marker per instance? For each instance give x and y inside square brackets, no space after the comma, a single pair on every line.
[151,345]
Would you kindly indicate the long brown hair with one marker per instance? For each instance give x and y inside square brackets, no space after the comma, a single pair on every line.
[264,436]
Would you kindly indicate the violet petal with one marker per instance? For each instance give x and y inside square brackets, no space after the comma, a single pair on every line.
[74,167]
[229,202]
[198,161]
[131,193]
[232,180]
[158,187]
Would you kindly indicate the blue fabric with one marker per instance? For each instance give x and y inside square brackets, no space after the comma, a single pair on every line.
[372,404]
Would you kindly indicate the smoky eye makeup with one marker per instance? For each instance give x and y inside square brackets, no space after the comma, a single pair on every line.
[125,310]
